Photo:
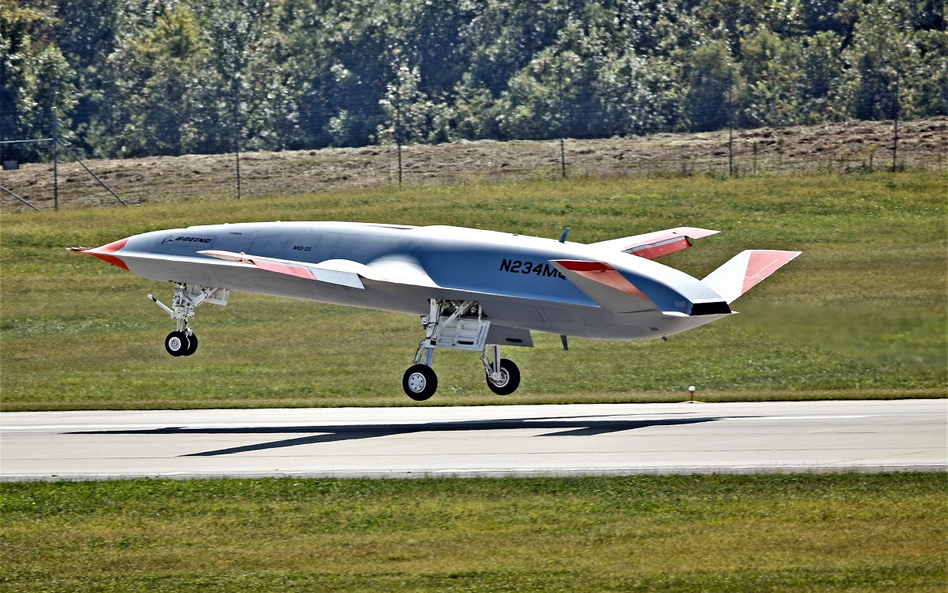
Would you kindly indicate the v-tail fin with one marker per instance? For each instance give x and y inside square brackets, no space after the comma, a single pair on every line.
[657,243]
[745,270]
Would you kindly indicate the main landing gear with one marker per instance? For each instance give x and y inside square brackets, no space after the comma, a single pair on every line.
[459,326]
[183,341]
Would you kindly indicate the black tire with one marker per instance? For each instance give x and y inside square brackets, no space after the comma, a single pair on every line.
[510,381]
[192,345]
[420,382]
[176,343]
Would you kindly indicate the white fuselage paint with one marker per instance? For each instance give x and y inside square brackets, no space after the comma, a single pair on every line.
[510,275]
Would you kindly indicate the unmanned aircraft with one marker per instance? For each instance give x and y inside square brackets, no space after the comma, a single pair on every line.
[475,290]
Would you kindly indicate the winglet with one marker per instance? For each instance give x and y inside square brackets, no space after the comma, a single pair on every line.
[745,270]
[658,243]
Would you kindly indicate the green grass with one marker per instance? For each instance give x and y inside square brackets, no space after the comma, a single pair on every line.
[862,313]
[649,533]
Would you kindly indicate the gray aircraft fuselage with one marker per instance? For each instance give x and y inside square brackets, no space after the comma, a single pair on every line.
[515,278]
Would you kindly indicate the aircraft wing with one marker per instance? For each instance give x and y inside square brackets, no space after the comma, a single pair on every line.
[657,243]
[394,270]
[604,284]
[343,272]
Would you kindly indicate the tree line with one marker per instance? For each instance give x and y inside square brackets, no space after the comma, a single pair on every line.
[168,77]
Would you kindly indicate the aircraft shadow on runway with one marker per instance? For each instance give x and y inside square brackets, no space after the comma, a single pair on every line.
[560,426]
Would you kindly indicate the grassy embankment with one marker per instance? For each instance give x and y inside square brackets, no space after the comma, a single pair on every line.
[854,533]
[862,313]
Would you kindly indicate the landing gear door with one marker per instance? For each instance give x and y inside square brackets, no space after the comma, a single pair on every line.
[509,336]
[218,296]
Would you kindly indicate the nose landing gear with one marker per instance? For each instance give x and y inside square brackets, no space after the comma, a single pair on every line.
[183,341]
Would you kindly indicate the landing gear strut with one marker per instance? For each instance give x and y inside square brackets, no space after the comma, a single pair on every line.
[503,376]
[458,326]
[183,341]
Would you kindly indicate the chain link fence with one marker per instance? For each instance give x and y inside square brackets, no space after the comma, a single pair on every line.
[839,148]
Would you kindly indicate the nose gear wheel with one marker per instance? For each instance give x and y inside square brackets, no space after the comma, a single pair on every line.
[183,341]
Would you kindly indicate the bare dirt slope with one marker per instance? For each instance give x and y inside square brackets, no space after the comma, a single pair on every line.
[840,147]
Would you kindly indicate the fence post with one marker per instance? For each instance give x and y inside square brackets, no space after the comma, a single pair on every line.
[237,153]
[55,160]
[895,125]
[730,124]
[559,92]
[398,123]
[237,130]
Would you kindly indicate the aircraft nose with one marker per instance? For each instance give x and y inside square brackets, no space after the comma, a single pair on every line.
[107,253]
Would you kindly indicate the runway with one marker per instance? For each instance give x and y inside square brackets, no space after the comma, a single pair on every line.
[545,440]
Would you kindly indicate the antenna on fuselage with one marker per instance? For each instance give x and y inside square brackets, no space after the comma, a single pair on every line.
[563,236]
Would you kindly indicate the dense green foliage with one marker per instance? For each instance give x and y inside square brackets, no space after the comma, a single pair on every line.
[168,77]
[803,533]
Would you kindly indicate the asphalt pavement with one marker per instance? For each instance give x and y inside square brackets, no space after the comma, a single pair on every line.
[426,441]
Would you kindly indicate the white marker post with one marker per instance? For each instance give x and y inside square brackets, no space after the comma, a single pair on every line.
[691,392]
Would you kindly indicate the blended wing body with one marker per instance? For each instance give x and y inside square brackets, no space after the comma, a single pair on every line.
[495,286]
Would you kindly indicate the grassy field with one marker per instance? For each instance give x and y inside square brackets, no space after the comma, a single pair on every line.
[862,313]
[673,533]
